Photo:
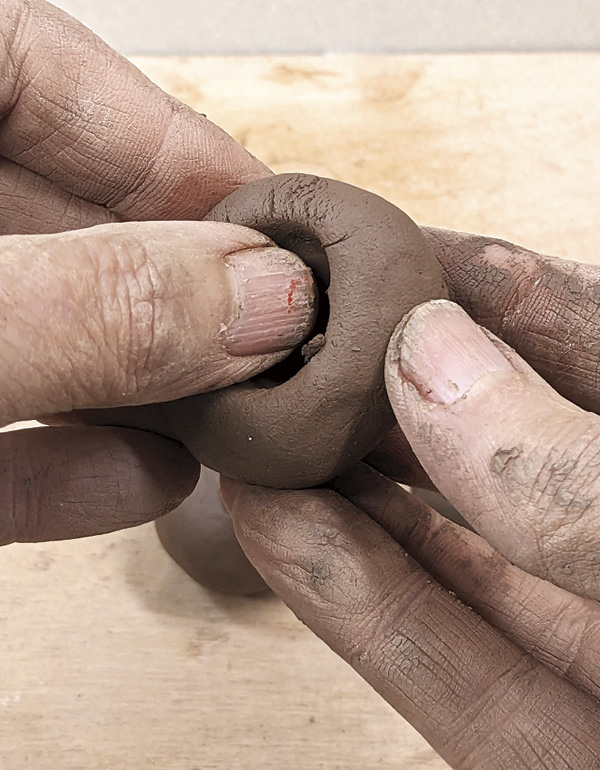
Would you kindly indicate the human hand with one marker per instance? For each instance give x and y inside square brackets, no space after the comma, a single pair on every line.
[86,139]
[544,307]
[487,642]
[123,313]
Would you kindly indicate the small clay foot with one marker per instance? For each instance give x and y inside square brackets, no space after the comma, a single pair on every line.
[199,536]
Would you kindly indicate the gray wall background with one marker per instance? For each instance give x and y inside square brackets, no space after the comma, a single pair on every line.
[189,27]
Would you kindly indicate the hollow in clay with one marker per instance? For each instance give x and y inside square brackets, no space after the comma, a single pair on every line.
[326,407]
[303,427]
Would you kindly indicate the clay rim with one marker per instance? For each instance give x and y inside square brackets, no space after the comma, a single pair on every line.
[298,440]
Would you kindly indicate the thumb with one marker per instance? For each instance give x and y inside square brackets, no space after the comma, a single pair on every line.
[515,458]
[124,314]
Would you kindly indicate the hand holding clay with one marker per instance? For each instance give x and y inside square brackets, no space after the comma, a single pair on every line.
[389,584]
[546,308]
[122,313]
[502,286]
[109,322]
[308,421]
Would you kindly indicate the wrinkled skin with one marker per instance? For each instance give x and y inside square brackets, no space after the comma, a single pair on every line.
[544,307]
[487,641]
[102,316]
[512,683]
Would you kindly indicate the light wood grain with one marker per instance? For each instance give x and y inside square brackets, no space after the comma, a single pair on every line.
[112,657]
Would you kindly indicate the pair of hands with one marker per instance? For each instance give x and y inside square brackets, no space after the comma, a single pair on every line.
[102,317]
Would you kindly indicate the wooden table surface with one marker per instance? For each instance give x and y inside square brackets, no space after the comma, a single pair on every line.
[113,658]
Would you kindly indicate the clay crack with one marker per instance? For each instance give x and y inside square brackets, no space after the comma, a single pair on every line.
[339,240]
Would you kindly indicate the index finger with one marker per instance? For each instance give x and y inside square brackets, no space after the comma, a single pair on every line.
[83,117]
[545,308]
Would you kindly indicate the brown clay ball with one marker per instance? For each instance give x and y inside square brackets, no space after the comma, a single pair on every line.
[302,425]
[308,420]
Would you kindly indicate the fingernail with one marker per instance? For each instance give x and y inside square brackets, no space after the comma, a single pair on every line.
[443,353]
[275,301]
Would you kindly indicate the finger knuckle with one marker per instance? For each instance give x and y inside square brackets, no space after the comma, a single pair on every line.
[565,490]
[130,325]
[581,628]
[381,630]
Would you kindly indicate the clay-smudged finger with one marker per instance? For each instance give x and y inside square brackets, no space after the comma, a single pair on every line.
[544,307]
[84,117]
[133,313]
[517,460]
[560,629]
[65,483]
[477,698]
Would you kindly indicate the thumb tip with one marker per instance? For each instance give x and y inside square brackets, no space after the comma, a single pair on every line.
[276,300]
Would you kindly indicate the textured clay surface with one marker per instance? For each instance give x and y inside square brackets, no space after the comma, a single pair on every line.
[375,265]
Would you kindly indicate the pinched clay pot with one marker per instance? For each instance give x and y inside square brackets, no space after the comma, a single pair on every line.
[301,425]
[326,407]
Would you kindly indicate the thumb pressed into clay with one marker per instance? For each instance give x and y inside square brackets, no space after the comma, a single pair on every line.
[133,313]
